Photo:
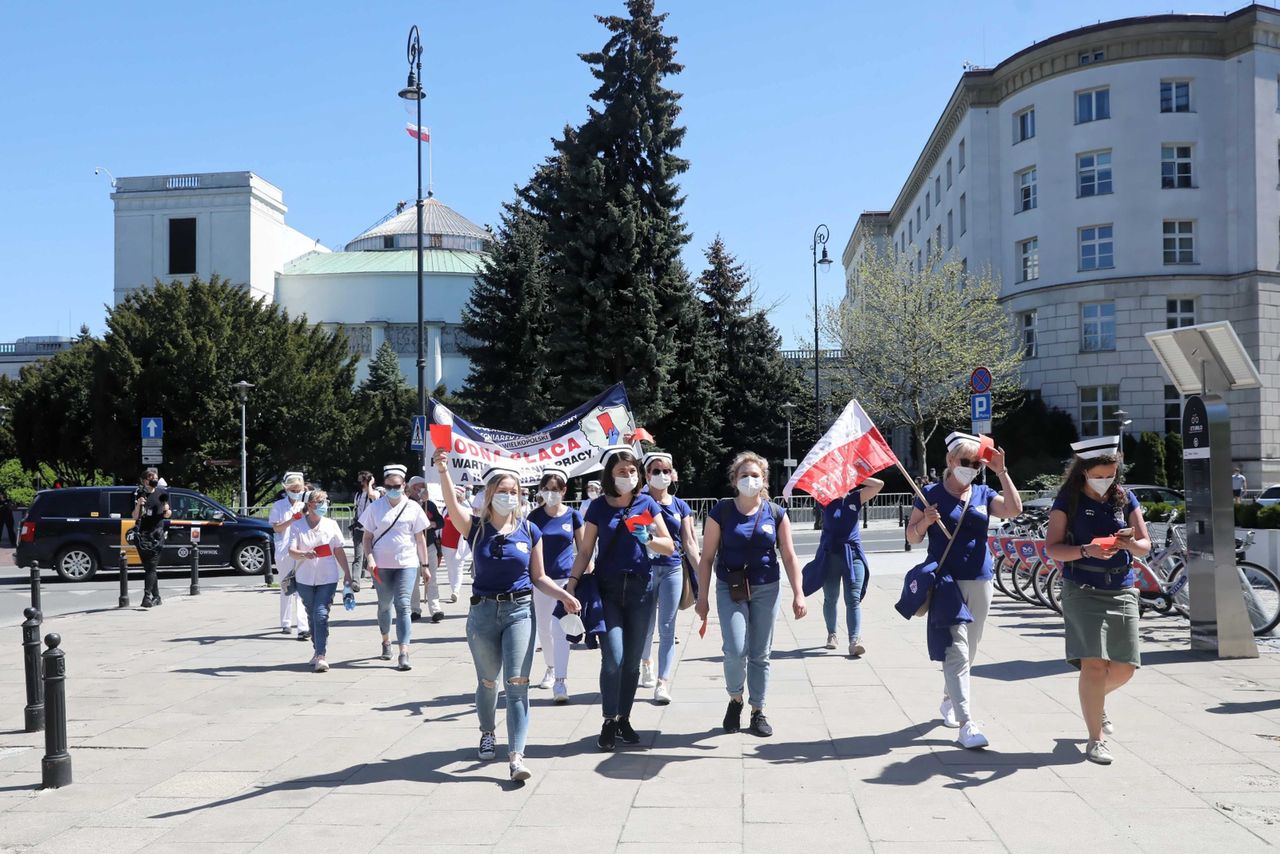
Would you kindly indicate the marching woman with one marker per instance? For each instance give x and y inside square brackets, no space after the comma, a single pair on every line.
[316,543]
[623,572]
[965,508]
[1099,599]
[395,543]
[284,512]
[741,540]
[846,563]
[668,575]
[507,559]
[561,528]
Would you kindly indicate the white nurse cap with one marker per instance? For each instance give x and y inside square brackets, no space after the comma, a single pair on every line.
[1103,446]
[956,438]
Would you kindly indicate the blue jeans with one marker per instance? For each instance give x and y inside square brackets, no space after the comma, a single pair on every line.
[500,635]
[837,569]
[628,604]
[317,598]
[395,588]
[747,629]
[668,584]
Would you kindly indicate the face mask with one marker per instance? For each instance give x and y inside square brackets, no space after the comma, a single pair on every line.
[550,497]
[153,483]
[593,493]
[394,492]
[1100,485]
[322,509]
[506,502]
[660,481]
[294,496]
[626,484]
[750,486]
[964,474]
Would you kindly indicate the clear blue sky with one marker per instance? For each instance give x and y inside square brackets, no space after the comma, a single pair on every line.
[798,113]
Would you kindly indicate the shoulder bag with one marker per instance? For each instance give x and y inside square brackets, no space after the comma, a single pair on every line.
[928,599]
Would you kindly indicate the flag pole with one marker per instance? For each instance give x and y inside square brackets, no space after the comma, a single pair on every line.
[430,173]
[916,489]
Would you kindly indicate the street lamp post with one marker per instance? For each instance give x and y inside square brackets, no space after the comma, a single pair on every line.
[413,92]
[1125,421]
[243,388]
[787,409]
[821,235]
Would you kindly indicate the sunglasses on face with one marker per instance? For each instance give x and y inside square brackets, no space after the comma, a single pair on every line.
[971,464]
[659,471]
[496,546]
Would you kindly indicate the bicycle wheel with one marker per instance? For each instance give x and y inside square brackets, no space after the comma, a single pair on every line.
[1053,589]
[1182,594]
[1040,584]
[1002,572]
[1261,591]
[1025,583]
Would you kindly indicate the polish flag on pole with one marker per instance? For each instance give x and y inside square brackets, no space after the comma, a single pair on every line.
[850,452]
[416,132]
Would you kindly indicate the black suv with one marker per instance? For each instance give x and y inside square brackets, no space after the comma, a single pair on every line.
[77,530]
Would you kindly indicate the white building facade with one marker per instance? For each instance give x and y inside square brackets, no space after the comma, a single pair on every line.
[233,224]
[1119,178]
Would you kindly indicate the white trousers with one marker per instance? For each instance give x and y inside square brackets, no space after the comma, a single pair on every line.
[965,638]
[433,587]
[291,611]
[555,646]
[454,561]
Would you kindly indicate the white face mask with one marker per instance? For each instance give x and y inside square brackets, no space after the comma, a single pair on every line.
[1100,485]
[750,486]
[660,481]
[550,497]
[505,502]
[626,484]
[964,474]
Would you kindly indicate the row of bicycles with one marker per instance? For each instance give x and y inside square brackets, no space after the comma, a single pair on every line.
[1025,572]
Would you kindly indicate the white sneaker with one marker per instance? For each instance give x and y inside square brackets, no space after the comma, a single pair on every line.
[856,649]
[548,678]
[321,666]
[971,737]
[662,693]
[559,693]
[948,713]
[519,773]
[453,598]
[486,751]
[1107,726]
[646,675]
[831,641]
[1096,751]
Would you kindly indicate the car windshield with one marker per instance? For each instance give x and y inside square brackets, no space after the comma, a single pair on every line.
[1273,492]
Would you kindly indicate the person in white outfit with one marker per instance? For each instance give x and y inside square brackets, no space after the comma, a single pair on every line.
[455,549]
[417,491]
[284,513]
[561,528]
[317,547]
[395,543]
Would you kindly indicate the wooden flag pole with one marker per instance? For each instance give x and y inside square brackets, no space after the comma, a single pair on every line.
[916,489]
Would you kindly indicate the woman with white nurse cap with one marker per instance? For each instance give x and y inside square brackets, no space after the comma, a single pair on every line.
[561,528]
[284,512]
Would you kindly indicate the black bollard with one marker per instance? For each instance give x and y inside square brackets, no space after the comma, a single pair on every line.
[123,601]
[195,569]
[55,768]
[268,553]
[35,585]
[34,712]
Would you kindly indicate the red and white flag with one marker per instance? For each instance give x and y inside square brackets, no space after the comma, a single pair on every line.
[850,452]
[416,132]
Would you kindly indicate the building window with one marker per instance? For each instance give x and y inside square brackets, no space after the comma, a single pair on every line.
[948,173]
[911,232]
[1029,259]
[964,219]
[1179,241]
[918,220]
[1024,125]
[961,155]
[1026,180]
[919,261]
[1172,410]
[1098,406]
[1179,313]
[951,234]
[388,241]
[928,248]
[937,189]
[937,237]
[1097,327]
[1093,173]
[1175,167]
[182,246]
[1093,105]
[928,208]
[1028,326]
[1097,247]
[1088,57]
[1175,96]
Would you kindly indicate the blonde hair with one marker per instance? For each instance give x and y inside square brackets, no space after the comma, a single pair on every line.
[315,495]
[741,460]
[961,449]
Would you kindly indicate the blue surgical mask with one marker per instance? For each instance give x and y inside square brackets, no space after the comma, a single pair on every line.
[394,492]
[322,509]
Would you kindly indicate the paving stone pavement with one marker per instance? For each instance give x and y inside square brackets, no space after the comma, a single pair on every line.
[197,727]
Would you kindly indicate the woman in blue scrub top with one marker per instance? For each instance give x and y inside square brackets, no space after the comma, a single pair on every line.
[846,564]
[622,569]
[506,568]
[561,528]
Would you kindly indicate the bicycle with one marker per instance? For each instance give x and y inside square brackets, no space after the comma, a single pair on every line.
[1258,585]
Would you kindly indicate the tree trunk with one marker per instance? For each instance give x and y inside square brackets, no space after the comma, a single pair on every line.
[920,450]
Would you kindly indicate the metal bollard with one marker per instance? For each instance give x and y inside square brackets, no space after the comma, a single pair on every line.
[866,516]
[55,768]
[34,712]
[269,552]
[902,519]
[35,585]
[123,601]
[195,570]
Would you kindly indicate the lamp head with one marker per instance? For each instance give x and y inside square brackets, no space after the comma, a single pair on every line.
[412,91]
[825,260]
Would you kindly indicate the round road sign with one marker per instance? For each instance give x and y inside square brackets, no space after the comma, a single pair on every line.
[980,380]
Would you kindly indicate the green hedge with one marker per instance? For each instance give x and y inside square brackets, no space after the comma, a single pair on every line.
[1252,515]
[1160,511]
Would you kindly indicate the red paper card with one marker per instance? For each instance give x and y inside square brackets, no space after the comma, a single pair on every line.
[702,632]
[645,518]
[988,448]
[441,436]
[643,435]
[325,550]
[1104,542]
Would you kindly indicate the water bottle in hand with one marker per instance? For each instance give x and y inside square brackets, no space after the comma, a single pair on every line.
[348,598]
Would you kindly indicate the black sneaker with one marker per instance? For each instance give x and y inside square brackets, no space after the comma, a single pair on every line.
[733,716]
[608,735]
[304,636]
[157,601]
[760,724]
[147,601]
[415,616]
[437,616]
[626,732]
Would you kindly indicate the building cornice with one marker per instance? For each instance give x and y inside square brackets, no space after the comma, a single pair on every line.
[1132,280]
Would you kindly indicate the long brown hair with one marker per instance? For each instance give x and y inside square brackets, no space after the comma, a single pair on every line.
[1073,480]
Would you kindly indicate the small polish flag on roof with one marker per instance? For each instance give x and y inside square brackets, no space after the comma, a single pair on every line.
[416,132]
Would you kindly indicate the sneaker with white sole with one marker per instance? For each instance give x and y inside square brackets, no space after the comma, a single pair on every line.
[548,679]
[646,675]
[948,712]
[971,737]
[831,641]
[453,598]
[1097,752]
[1107,726]
[662,693]
[559,692]
[856,649]
[321,665]
[487,749]
[519,773]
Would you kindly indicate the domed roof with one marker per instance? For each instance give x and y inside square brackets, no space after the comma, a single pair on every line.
[442,228]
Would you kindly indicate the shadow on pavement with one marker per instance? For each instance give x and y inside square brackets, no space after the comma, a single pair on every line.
[965,766]
[1245,708]
[207,640]
[632,762]
[875,744]
[1016,671]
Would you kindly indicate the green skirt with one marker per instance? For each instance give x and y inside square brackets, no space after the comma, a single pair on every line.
[1101,624]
